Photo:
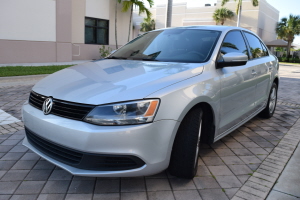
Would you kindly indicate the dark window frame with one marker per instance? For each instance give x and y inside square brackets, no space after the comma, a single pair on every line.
[260,41]
[245,41]
[95,28]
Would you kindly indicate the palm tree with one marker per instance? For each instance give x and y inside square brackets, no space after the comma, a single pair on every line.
[116,11]
[169,13]
[287,28]
[220,15]
[128,5]
[239,8]
[148,25]
[256,53]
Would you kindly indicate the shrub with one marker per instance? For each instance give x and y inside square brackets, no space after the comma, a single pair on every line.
[104,51]
[296,60]
[283,59]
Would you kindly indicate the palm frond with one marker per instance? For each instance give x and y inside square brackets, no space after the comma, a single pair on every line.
[255,3]
[126,5]
[221,14]
[224,2]
[238,6]
[148,25]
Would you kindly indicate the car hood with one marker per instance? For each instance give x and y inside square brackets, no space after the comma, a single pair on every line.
[109,80]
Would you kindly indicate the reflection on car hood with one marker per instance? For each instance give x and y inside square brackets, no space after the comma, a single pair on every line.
[109,80]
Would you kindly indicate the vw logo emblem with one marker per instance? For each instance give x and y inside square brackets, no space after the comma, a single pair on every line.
[47,105]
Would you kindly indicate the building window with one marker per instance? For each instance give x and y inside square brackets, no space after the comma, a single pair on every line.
[96,31]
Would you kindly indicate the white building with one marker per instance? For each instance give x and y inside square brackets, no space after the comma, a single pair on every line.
[261,19]
[58,30]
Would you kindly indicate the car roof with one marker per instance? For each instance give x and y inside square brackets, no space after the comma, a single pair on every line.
[209,27]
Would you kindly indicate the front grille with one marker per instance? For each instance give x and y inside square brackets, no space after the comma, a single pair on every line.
[61,108]
[82,160]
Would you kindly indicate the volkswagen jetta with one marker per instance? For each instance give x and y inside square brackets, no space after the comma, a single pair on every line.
[146,107]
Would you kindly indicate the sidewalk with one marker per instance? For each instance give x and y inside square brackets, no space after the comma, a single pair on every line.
[12,81]
[288,184]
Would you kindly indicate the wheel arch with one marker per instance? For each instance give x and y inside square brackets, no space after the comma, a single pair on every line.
[208,123]
[276,80]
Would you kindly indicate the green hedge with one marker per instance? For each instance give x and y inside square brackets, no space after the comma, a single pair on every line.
[292,60]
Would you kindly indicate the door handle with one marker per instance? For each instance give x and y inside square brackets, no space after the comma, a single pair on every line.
[270,68]
[254,73]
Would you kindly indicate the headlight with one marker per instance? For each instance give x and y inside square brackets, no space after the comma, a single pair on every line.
[136,112]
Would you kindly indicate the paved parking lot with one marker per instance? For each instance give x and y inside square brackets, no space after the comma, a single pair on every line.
[231,166]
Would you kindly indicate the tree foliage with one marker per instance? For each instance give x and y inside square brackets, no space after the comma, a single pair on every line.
[147,25]
[239,7]
[287,28]
[220,15]
[140,4]
[239,4]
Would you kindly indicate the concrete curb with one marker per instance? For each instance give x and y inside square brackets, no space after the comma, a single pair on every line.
[288,104]
[259,185]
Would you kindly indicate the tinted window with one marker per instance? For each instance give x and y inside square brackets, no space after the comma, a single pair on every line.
[173,45]
[255,45]
[265,51]
[234,42]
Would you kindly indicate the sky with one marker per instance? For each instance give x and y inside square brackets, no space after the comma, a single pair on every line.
[285,7]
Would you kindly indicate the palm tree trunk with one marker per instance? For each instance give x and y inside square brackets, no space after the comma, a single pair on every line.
[116,9]
[288,50]
[169,13]
[131,10]
[239,15]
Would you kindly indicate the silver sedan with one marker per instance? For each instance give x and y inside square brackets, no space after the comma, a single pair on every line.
[147,106]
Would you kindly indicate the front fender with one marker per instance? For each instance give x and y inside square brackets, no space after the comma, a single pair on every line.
[179,98]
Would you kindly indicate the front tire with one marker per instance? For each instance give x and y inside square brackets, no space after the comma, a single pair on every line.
[185,152]
[271,105]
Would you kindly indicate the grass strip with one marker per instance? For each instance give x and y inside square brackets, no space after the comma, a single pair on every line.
[289,63]
[32,70]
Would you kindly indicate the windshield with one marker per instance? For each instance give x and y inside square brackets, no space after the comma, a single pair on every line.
[173,45]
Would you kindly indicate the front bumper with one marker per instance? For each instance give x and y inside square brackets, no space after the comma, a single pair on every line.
[152,142]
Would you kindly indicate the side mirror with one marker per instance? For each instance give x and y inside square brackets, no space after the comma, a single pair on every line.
[232,59]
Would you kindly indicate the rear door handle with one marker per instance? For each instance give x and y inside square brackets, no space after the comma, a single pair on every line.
[254,73]
[270,68]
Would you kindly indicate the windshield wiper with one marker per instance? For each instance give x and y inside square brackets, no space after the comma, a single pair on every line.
[149,59]
[114,57]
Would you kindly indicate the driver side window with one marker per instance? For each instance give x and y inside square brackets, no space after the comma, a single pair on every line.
[234,42]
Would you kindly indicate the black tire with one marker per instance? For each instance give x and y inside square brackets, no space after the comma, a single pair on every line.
[185,152]
[271,105]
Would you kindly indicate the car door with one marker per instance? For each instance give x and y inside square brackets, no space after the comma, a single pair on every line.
[261,61]
[237,85]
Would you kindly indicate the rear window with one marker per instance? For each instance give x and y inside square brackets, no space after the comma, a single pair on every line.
[255,46]
[174,45]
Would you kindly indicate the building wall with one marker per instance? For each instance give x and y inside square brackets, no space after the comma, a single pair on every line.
[199,16]
[36,22]
[268,16]
[97,9]
[94,8]
[261,19]
[54,30]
